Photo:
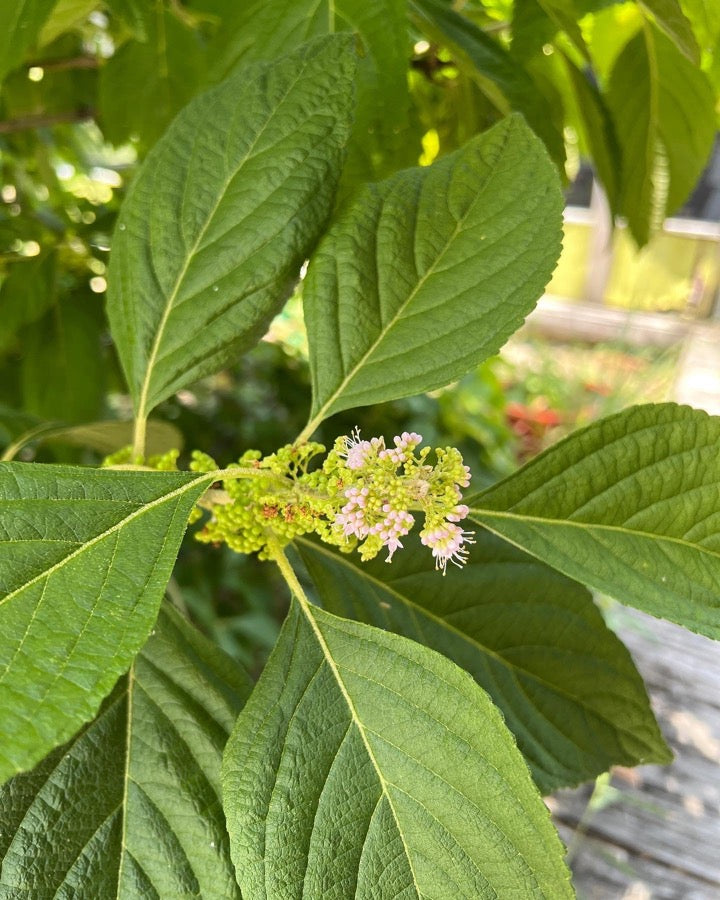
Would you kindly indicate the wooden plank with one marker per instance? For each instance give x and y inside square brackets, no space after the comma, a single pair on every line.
[659,834]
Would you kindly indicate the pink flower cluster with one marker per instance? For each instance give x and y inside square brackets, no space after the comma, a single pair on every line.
[357,451]
[395,524]
[404,446]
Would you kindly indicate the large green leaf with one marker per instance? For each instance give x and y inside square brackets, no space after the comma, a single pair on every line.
[530,637]
[664,112]
[493,67]
[365,765]
[422,276]
[222,215]
[20,24]
[628,506]
[130,807]
[84,558]
[670,18]
[149,79]
[267,29]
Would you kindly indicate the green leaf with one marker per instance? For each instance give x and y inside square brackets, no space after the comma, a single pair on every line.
[267,29]
[149,79]
[63,370]
[670,18]
[628,506]
[598,129]
[664,113]
[130,807]
[226,208]
[426,274]
[25,295]
[104,437]
[84,559]
[20,24]
[66,15]
[136,14]
[492,64]
[365,765]
[533,639]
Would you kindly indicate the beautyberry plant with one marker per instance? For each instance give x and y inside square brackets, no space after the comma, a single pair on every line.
[442,664]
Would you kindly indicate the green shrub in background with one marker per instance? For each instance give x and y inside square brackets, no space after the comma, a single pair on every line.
[405,725]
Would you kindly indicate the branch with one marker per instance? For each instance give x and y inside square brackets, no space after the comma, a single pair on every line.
[45,120]
[62,65]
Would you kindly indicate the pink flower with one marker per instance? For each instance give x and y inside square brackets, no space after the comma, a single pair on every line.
[357,451]
[447,545]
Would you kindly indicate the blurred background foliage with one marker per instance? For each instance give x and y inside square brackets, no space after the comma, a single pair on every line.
[88,86]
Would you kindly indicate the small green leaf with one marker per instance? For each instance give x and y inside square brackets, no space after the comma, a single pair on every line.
[226,208]
[20,24]
[136,14]
[149,79]
[66,15]
[598,129]
[664,112]
[519,629]
[54,385]
[104,437]
[365,765]
[670,18]
[25,295]
[84,559]
[489,62]
[424,275]
[628,506]
[131,807]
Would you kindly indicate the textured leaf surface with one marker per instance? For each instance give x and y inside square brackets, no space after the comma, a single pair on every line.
[664,113]
[267,29]
[20,24]
[224,211]
[530,637]
[130,807]
[630,506]
[84,559]
[424,275]
[491,63]
[365,765]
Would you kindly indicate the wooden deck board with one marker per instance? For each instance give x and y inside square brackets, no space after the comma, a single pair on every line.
[660,835]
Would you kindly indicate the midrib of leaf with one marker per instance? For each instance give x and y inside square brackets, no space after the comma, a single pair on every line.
[143,411]
[322,412]
[99,537]
[126,778]
[587,526]
[443,623]
[305,605]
